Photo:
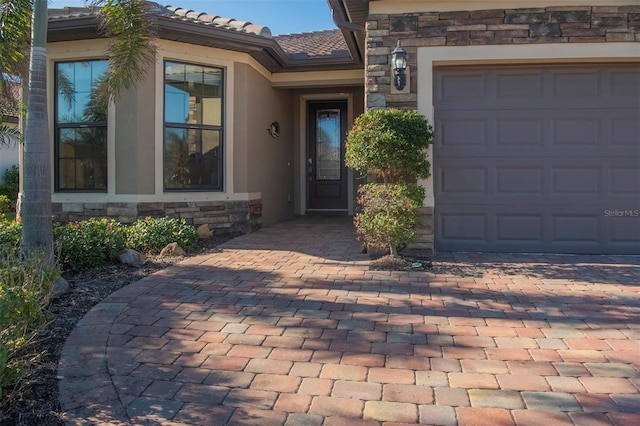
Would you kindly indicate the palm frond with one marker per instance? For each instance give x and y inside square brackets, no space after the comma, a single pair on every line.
[15,35]
[132,29]
[9,136]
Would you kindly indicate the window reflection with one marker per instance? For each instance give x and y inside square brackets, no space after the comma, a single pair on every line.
[193,127]
[81,125]
[328,144]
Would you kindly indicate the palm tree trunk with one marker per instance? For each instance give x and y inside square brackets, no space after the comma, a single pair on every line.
[37,232]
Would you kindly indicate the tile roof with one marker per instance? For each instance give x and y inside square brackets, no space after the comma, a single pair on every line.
[9,105]
[313,44]
[172,12]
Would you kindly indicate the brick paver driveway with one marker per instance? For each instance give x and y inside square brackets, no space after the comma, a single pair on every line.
[288,326]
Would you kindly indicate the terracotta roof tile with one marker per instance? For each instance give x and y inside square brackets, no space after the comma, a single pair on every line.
[173,12]
[313,44]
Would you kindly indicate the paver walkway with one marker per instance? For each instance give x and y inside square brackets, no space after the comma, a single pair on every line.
[288,326]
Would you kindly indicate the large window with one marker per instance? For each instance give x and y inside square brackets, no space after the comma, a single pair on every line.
[80,126]
[192,127]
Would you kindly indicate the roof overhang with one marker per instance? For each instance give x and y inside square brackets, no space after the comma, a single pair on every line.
[351,17]
[264,50]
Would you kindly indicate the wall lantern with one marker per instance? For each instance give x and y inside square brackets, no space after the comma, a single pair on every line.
[399,63]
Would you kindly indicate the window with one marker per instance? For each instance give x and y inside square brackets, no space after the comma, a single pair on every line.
[192,127]
[80,126]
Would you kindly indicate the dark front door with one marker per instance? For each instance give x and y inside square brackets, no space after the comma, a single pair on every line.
[326,172]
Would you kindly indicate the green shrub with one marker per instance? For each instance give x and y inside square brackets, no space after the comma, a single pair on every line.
[151,235]
[5,205]
[10,233]
[390,144]
[90,243]
[25,288]
[10,183]
[389,215]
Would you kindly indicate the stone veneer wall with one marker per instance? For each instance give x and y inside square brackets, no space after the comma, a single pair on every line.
[222,216]
[597,24]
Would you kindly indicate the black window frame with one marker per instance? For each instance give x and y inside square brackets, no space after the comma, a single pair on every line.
[186,126]
[57,127]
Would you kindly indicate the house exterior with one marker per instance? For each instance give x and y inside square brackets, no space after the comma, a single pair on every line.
[216,133]
[535,106]
[9,155]
[536,111]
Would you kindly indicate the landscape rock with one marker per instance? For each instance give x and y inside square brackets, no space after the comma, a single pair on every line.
[172,250]
[60,288]
[204,231]
[131,257]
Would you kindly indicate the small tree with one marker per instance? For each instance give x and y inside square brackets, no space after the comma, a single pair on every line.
[390,146]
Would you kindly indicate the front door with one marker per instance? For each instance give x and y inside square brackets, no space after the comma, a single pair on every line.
[326,172]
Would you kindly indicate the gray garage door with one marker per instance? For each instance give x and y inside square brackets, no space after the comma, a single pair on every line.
[537,159]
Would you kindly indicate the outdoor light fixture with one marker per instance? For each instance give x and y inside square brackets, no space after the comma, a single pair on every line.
[399,62]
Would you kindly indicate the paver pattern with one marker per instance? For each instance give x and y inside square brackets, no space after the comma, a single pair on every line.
[287,326]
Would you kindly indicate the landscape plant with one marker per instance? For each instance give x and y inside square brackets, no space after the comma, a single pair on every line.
[150,235]
[389,146]
[10,182]
[25,288]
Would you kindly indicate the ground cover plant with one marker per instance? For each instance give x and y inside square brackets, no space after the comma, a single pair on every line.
[26,283]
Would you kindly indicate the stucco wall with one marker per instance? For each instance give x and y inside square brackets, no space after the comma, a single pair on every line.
[538,25]
[8,155]
[135,138]
[263,164]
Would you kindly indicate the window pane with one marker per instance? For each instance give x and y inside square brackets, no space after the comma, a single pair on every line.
[193,94]
[328,145]
[82,158]
[192,159]
[77,87]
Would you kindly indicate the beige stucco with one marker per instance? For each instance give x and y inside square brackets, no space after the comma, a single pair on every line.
[8,155]
[262,164]
[134,139]
[256,165]
[380,7]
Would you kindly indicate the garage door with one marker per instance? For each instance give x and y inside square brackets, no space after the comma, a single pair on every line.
[542,159]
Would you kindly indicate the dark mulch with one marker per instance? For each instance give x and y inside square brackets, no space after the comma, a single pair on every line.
[407,260]
[34,400]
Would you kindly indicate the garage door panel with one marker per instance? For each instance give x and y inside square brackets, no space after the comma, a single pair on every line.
[625,130]
[624,181]
[463,227]
[518,86]
[551,133]
[519,227]
[462,86]
[575,181]
[547,161]
[464,180]
[625,229]
[519,131]
[575,228]
[519,180]
[463,132]
[626,85]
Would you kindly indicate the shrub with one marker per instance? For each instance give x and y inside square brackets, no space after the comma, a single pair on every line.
[151,235]
[10,233]
[390,144]
[5,205]
[25,287]
[90,243]
[389,215]
[10,184]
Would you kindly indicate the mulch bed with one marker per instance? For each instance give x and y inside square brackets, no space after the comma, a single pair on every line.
[34,400]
